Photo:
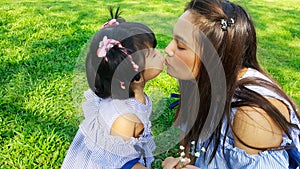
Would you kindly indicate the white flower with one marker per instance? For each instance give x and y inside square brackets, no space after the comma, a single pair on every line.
[203,149]
[193,142]
[182,160]
[197,154]
[182,154]
[181,147]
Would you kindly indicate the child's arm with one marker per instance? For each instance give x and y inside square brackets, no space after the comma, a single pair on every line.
[138,166]
[127,126]
[133,164]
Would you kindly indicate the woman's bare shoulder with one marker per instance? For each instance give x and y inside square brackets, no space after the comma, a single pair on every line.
[255,127]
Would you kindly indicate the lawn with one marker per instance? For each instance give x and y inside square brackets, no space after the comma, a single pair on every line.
[42,49]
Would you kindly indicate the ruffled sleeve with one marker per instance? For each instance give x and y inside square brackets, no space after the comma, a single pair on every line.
[234,157]
[112,151]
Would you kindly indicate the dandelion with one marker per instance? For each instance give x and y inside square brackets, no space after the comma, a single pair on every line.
[182,160]
[181,147]
[197,154]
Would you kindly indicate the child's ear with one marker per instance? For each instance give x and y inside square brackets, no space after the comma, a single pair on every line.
[137,77]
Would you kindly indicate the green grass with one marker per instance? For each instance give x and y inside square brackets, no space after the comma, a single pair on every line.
[42,49]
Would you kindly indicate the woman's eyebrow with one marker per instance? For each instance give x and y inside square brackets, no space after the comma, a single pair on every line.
[179,38]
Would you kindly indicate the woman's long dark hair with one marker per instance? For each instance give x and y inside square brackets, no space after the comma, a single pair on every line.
[236,48]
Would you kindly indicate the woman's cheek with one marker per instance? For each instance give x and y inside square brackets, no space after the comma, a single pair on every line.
[179,69]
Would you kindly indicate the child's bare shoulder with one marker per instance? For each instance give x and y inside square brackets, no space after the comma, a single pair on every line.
[127,126]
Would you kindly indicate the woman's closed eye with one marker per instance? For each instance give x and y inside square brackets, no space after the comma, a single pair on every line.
[180,45]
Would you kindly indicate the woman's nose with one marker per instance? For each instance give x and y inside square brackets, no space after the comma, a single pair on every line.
[169,50]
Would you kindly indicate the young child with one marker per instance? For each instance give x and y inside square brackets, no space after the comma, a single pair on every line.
[116,131]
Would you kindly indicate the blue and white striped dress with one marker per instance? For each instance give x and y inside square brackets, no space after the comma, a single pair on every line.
[93,146]
[238,159]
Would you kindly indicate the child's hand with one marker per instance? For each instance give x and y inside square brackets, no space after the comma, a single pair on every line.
[174,163]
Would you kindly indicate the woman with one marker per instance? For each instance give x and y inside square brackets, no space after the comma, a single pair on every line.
[236,113]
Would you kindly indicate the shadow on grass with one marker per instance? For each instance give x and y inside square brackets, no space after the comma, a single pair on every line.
[277,28]
[45,75]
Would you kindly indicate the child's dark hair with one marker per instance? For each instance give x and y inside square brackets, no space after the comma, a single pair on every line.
[111,77]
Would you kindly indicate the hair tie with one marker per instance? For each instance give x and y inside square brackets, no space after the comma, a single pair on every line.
[122,85]
[226,23]
[110,23]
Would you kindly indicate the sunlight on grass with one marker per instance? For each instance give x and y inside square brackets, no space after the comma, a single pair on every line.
[43,41]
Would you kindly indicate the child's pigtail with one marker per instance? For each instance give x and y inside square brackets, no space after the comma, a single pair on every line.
[116,15]
[115,18]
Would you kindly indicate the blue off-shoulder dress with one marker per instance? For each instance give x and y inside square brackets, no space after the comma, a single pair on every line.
[94,148]
[235,158]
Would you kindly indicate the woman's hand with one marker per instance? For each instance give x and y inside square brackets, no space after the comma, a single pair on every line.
[190,167]
[174,163]
[170,163]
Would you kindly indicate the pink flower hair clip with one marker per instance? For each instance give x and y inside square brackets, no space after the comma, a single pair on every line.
[110,23]
[105,45]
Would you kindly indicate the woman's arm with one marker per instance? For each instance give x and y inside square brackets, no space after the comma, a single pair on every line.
[255,128]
